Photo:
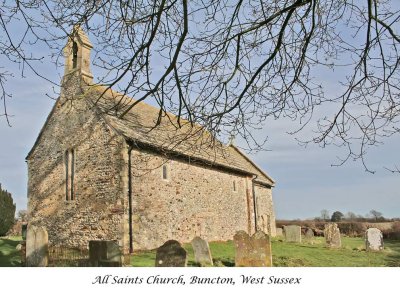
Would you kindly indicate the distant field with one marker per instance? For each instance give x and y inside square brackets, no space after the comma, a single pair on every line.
[352,254]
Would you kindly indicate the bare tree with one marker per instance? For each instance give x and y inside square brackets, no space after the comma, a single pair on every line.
[351,216]
[375,215]
[231,65]
[325,215]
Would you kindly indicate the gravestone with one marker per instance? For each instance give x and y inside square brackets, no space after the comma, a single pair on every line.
[202,252]
[373,239]
[252,251]
[171,254]
[309,235]
[279,232]
[23,253]
[104,253]
[23,231]
[37,247]
[292,233]
[332,235]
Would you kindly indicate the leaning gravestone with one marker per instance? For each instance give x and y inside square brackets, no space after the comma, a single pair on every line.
[292,233]
[37,247]
[202,252]
[332,235]
[252,251]
[104,253]
[171,254]
[279,232]
[309,235]
[373,239]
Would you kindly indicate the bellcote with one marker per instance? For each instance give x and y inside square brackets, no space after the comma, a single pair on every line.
[77,54]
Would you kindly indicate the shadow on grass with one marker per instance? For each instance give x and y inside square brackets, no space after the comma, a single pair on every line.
[393,258]
[9,256]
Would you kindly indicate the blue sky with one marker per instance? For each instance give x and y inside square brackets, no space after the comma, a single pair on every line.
[306,182]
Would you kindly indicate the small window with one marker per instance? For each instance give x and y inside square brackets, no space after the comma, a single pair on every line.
[69,174]
[165,172]
[74,55]
[234,186]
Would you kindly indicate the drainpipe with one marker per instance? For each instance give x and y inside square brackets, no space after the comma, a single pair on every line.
[254,203]
[130,199]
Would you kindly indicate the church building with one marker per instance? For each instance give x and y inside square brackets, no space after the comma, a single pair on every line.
[93,175]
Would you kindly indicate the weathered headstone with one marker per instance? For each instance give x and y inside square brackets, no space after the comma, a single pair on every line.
[202,252]
[292,233]
[23,253]
[309,235]
[279,232]
[23,231]
[373,239]
[332,235]
[252,251]
[37,247]
[171,254]
[104,253]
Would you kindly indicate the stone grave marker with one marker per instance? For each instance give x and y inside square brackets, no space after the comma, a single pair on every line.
[23,231]
[171,254]
[373,239]
[292,233]
[309,235]
[202,252]
[254,251]
[104,253]
[332,235]
[37,247]
[279,232]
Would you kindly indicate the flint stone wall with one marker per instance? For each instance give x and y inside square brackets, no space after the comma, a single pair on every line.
[193,201]
[97,212]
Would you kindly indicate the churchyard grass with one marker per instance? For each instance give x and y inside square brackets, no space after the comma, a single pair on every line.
[285,254]
[9,256]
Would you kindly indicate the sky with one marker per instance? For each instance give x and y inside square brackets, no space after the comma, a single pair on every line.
[306,182]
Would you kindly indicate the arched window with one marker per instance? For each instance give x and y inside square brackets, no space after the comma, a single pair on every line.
[74,55]
[69,174]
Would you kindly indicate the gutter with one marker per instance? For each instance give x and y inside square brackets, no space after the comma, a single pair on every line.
[130,199]
[254,202]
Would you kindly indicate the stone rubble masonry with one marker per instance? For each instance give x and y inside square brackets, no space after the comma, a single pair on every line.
[193,201]
[97,212]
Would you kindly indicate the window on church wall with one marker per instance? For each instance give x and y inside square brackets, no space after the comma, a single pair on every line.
[69,174]
[234,186]
[74,55]
[165,174]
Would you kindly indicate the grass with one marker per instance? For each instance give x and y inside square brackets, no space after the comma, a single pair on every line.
[352,254]
[284,254]
[9,256]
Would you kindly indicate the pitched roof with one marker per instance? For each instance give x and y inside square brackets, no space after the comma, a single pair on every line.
[192,141]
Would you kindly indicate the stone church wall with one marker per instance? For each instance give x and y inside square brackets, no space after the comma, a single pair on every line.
[97,211]
[193,200]
[265,210]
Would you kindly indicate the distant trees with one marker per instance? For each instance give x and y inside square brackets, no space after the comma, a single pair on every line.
[325,215]
[376,215]
[351,216]
[7,211]
[337,216]
[22,215]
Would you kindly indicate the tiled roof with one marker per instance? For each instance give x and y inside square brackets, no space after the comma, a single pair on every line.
[139,125]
